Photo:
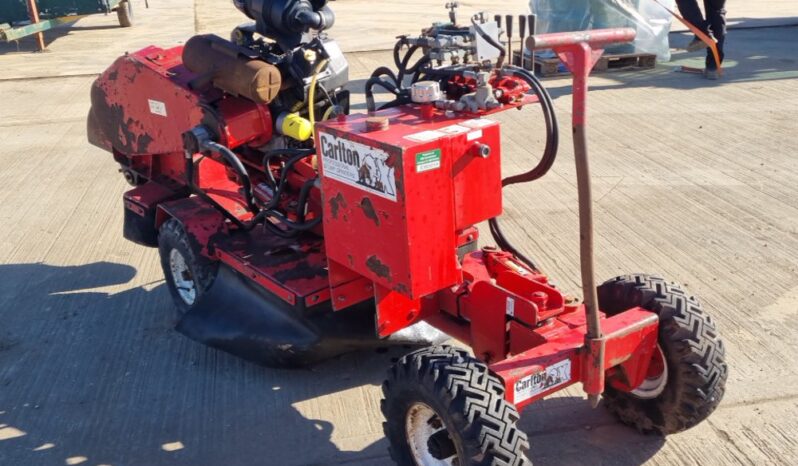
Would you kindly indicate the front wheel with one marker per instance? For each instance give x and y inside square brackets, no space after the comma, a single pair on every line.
[187,272]
[687,376]
[443,407]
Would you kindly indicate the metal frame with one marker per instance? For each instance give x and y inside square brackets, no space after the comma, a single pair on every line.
[536,339]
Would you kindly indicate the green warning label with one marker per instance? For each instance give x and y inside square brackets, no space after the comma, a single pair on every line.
[429,160]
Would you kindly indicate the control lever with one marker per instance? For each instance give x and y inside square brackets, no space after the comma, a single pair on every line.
[509,20]
[532,21]
[522,36]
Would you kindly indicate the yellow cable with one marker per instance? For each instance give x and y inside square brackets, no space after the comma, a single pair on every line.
[312,94]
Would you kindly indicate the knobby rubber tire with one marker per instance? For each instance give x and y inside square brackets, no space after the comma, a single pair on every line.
[468,399]
[124,13]
[693,351]
[172,235]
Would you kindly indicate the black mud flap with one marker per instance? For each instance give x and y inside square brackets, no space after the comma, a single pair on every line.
[238,316]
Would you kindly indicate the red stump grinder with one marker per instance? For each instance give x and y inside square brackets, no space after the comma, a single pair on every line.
[291,230]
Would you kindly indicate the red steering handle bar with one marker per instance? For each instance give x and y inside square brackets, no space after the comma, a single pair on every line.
[596,38]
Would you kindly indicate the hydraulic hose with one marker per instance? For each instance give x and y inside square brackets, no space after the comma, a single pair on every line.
[378,81]
[545,164]
[233,160]
[552,129]
[490,40]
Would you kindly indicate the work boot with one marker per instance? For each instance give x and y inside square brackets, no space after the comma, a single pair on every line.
[695,45]
[711,74]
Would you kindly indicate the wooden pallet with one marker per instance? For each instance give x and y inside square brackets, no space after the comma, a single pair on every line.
[607,62]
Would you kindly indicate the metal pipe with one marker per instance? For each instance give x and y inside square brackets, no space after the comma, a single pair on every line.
[34,17]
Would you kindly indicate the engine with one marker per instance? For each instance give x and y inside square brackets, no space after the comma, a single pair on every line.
[232,122]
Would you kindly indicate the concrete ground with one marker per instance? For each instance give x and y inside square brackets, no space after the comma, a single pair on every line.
[695,180]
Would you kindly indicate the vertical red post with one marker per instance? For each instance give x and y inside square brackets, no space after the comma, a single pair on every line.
[576,50]
[33,12]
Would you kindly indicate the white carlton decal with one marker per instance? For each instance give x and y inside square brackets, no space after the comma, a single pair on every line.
[535,384]
[357,165]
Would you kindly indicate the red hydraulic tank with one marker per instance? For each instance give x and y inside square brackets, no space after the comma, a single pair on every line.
[396,197]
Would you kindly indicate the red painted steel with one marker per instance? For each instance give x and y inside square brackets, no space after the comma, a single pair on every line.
[385,235]
[631,338]
[400,205]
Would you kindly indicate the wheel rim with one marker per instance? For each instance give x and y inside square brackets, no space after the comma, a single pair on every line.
[656,378]
[182,278]
[421,424]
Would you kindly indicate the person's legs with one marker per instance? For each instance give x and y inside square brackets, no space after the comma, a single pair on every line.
[692,13]
[716,20]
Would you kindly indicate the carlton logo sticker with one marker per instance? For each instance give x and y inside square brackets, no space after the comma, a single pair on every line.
[357,165]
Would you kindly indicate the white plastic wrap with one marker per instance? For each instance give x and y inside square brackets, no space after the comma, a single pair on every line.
[651,21]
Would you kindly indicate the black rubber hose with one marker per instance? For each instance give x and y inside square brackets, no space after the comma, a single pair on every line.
[302,202]
[489,39]
[232,159]
[277,153]
[545,164]
[384,71]
[378,81]
[552,129]
[203,195]
[404,70]
[283,177]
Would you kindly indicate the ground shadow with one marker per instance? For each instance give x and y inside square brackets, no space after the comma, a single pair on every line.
[86,372]
[97,376]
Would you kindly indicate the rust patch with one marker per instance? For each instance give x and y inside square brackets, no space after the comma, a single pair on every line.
[303,270]
[107,125]
[375,265]
[401,288]
[336,203]
[368,210]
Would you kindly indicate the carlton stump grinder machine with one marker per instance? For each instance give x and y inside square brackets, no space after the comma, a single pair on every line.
[291,231]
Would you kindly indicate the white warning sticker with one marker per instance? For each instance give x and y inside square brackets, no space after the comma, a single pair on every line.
[509,306]
[535,384]
[478,123]
[357,165]
[157,107]
[426,136]
[455,129]
[474,135]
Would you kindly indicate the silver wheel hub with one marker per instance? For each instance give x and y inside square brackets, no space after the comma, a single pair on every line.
[421,423]
[653,387]
[182,278]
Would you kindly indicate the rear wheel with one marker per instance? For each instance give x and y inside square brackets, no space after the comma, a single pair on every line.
[188,274]
[124,12]
[687,376]
[443,407]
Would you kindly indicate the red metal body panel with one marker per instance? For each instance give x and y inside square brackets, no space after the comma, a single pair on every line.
[436,184]
[142,104]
